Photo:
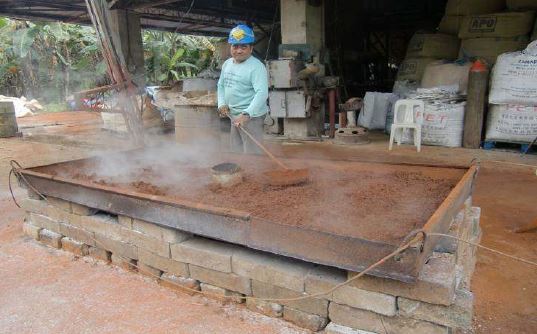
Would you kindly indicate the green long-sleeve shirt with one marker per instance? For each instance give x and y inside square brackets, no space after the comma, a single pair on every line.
[243,87]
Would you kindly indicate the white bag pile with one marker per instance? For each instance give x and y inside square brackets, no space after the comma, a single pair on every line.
[442,122]
[513,97]
[376,106]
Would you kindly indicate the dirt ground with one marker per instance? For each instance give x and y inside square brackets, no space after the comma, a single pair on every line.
[44,290]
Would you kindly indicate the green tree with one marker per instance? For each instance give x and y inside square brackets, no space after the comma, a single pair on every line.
[51,60]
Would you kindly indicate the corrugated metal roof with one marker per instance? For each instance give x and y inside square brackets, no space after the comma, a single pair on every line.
[207,17]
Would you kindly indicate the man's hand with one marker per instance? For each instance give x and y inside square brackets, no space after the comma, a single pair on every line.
[223,111]
[241,120]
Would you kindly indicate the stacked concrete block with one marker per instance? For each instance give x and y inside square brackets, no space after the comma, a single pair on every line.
[333,328]
[99,254]
[149,271]
[31,230]
[179,283]
[50,238]
[267,308]
[438,302]
[309,321]
[123,262]
[73,246]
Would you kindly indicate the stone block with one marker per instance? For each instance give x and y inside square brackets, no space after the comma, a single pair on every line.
[125,221]
[74,246]
[305,320]
[163,263]
[213,292]
[366,300]
[59,203]
[374,322]
[220,294]
[149,271]
[466,253]
[101,223]
[31,230]
[123,262]
[43,222]
[435,284]
[82,210]
[61,216]
[50,238]
[178,283]
[458,315]
[228,281]
[235,297]
[267,308]
[323,279]
[333,328]
[159,247]
[160,232]
[271,269]
[78,234]
[468,205]
[308,305]
[116,246]
[99,254]
[34,206]
[210,254]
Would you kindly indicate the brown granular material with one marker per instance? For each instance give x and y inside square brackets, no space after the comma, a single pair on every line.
[378,202]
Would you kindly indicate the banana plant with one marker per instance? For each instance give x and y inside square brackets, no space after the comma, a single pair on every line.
[50,60]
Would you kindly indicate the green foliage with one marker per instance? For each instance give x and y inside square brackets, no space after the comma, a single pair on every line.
[47,60]
[170,57]
[51,60]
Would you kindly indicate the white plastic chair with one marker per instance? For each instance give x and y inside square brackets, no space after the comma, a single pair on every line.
[403,118]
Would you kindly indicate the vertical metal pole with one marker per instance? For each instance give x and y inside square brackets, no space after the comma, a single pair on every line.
[332,110]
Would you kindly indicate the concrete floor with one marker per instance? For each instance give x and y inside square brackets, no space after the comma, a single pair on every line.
[44,290]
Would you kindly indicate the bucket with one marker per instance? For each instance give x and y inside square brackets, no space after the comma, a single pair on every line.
[226,174]
[8,121]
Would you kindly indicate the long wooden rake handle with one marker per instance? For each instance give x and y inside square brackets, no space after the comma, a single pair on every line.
[261,146]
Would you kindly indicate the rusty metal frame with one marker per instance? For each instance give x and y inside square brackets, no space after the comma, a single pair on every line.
[241,228]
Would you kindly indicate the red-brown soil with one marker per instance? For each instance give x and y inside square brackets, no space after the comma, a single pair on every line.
[378,202]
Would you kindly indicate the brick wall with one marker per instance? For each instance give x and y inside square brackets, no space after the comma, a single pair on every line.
[439,302]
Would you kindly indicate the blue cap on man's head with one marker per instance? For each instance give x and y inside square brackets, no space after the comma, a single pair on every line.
[241,34]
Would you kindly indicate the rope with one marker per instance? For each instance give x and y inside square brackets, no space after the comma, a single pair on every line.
[399,250]
[516,258]
[11,190]
[417,234]
[510,163]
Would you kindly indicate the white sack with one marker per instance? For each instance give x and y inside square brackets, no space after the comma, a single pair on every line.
[514,78]
[373,114]
[511,123]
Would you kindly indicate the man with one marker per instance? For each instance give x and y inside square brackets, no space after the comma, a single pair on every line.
[243,91]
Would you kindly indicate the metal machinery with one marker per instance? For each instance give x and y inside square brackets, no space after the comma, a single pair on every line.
[296,81]
[349,132]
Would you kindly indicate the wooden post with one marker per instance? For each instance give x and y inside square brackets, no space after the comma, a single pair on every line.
[475,105]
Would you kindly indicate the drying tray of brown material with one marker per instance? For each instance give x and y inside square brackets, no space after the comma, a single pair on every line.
[347,215]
